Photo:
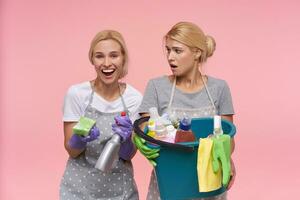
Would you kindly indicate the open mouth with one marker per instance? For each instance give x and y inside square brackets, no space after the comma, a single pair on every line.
[108,72]
[173,66]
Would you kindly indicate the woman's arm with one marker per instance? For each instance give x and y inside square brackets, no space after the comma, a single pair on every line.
[230,118]
[68,132]
[233,172]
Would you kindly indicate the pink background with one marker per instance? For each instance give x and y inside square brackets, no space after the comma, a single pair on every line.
[44,47]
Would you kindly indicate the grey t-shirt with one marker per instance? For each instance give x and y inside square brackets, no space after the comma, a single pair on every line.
[158,92]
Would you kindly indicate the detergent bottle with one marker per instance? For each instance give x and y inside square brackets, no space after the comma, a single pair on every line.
[184,132]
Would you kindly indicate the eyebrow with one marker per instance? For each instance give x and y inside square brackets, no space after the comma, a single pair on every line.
[99,52]
[174,47]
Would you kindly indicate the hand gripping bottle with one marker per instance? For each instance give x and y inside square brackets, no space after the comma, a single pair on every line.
[110,154]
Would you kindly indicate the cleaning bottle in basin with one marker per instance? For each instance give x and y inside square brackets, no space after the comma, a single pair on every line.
[184,133]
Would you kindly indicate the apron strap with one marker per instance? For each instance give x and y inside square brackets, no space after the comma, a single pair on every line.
[123,102]
[208,93]
[172,93]
[206,88]
[122,99]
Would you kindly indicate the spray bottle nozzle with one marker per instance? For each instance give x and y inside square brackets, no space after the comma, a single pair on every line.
[123,113]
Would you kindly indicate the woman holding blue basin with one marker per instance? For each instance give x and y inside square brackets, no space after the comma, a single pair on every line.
[187,91]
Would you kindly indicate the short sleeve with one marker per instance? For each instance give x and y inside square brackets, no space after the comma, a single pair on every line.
[225,106]
[134,112]
[71,107]
[150,98]
[133,99]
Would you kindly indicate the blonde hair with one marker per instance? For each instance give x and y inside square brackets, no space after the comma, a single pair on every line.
[192,36]
[113,35]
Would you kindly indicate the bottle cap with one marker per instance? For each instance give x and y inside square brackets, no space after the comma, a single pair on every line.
[185,124]
[123,113]
[170,128]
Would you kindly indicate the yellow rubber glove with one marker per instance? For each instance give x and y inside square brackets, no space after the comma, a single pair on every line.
[221,156]
[207,179]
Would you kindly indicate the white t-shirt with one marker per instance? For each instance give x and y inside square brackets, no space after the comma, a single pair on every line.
[77,99]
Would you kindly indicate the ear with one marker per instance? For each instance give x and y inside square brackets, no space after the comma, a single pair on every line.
[197,54]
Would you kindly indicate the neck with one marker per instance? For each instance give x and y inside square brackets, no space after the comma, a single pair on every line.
[108,92]
[190,82]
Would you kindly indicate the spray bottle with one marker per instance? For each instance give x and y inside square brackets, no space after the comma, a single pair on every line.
[110,154]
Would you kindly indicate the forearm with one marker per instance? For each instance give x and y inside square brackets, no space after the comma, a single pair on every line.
[74,153]
[230,118]
[127,150]
[68,132]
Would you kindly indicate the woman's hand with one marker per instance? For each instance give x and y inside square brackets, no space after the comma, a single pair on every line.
[232,175]
[123,127]
[149,153]
[76,140]
[79,142]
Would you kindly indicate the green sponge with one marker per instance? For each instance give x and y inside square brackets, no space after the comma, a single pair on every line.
[84,126]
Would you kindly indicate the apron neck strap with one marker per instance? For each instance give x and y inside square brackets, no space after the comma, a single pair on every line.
[206,88]
[122,99]
[172,92]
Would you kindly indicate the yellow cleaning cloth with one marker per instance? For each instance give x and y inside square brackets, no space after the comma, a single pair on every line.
[207,179]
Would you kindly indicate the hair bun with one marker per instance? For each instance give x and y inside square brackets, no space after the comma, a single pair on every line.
[211,45]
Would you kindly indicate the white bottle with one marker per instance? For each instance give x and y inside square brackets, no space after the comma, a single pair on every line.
[171,134]
[160,130]
[217,125]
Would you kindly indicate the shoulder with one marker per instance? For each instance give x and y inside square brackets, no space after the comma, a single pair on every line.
[159,83]
[216,82]
[160,80]
[133,99]
[79,89]
[219,87]
[132,93]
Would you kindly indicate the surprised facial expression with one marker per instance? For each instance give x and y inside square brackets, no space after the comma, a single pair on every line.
[180,57]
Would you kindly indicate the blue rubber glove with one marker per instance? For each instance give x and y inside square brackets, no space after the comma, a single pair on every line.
[123,127]
[79,142]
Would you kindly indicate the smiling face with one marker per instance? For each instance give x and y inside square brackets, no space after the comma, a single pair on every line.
[181,58]
[108,61]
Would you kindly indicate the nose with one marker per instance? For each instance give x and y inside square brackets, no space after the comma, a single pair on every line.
[170,56]
[107,62]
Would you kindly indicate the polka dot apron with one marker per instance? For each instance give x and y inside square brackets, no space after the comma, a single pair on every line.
[81,180]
